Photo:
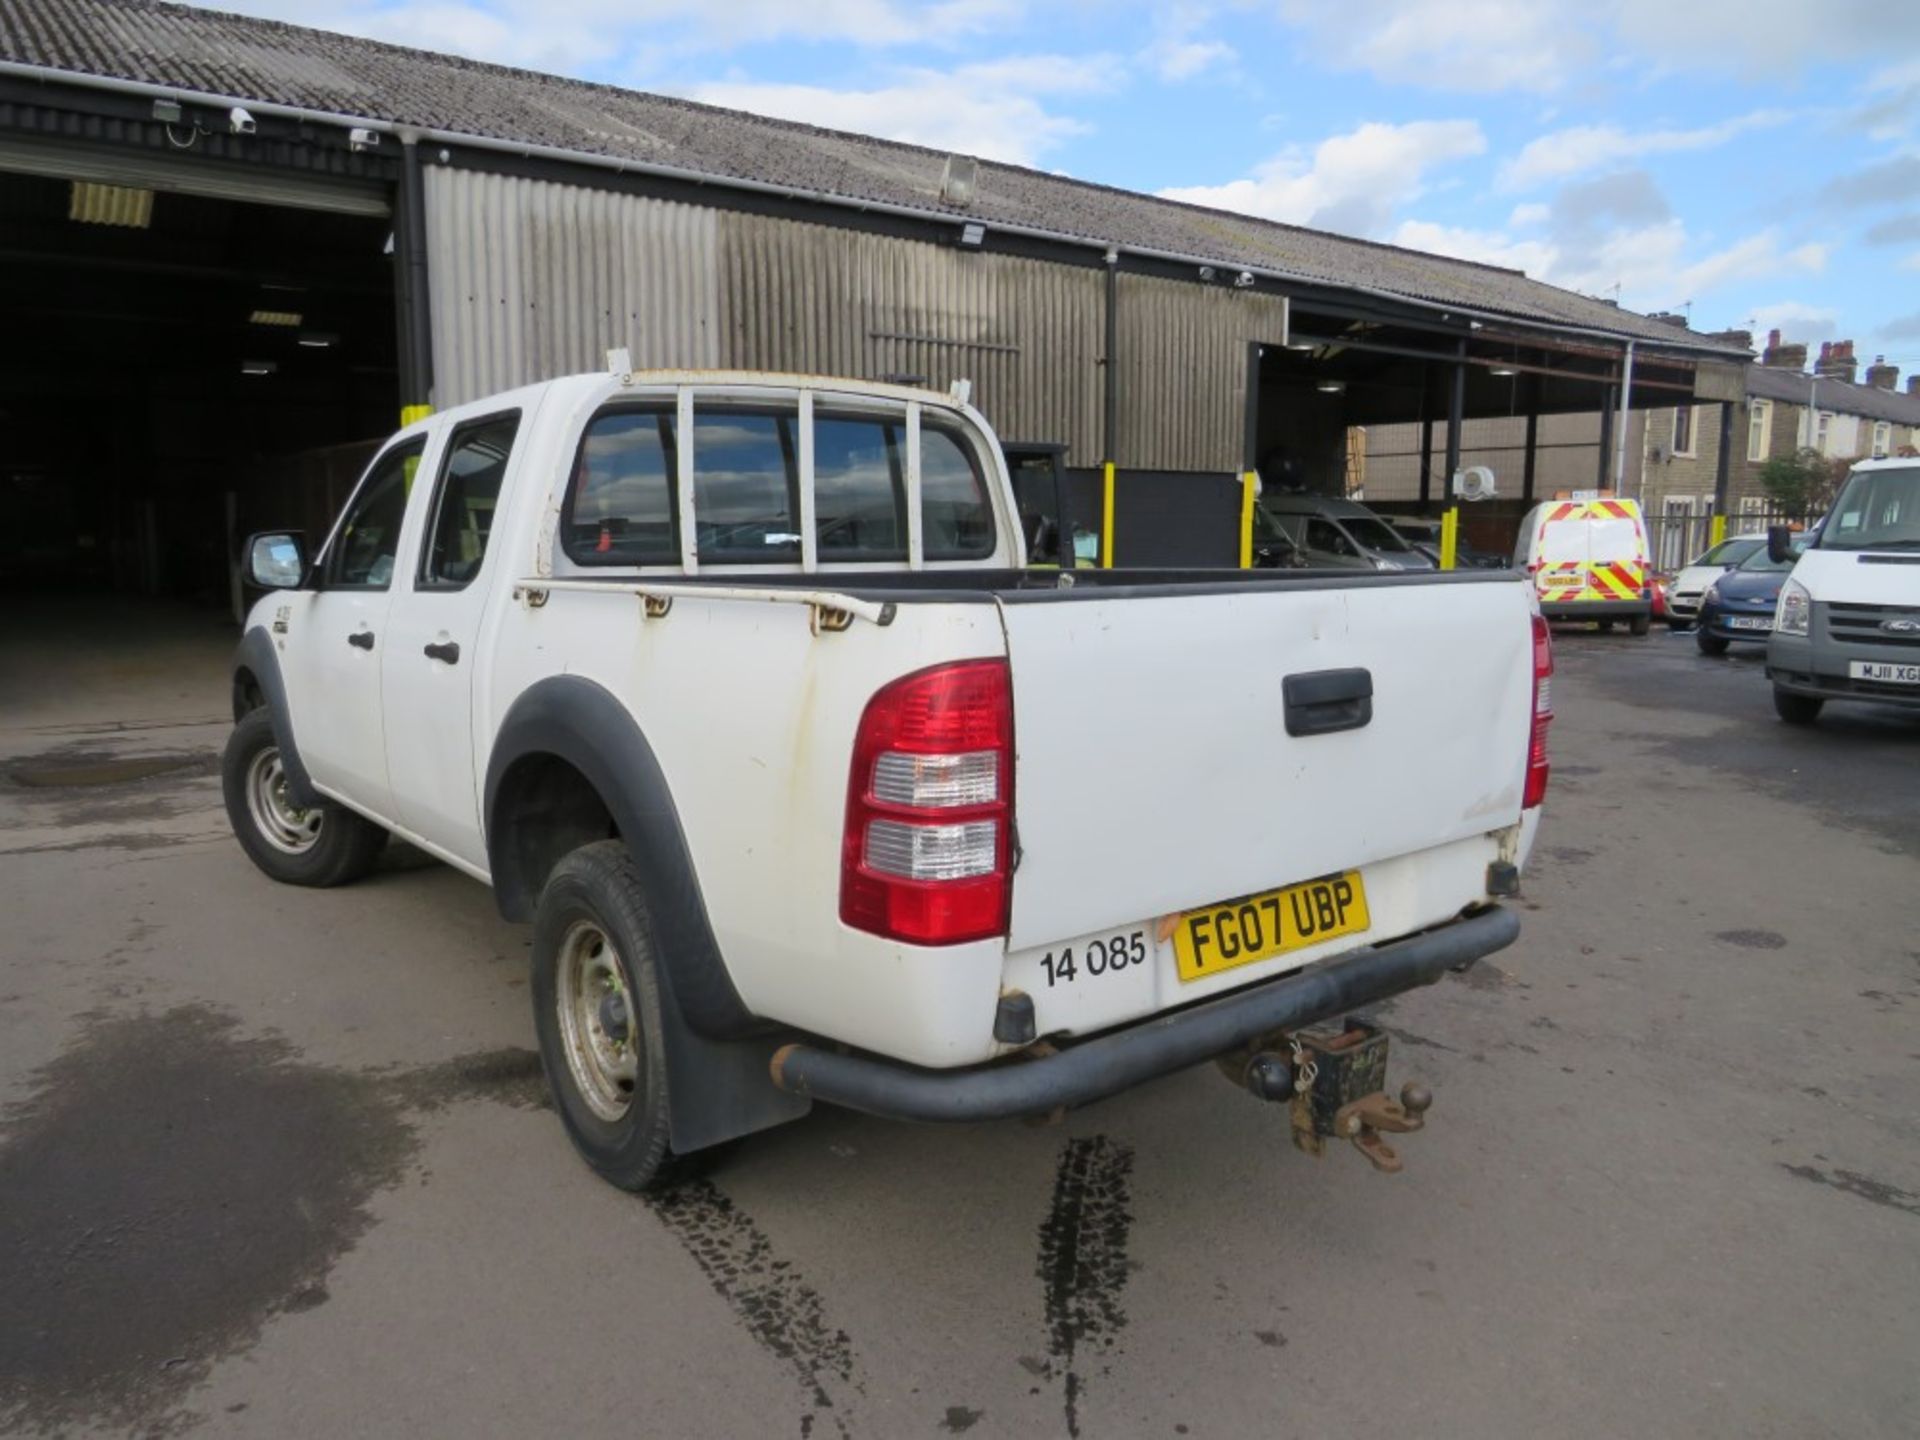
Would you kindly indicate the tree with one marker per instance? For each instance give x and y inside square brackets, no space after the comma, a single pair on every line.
[1802,484]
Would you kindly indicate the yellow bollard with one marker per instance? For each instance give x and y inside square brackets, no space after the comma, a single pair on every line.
[1249,488]
[1450,538]
[1717,531]
[1106,517]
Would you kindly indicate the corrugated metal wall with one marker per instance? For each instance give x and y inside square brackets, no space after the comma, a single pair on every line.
[532,279]
[814,298]
[1183,371]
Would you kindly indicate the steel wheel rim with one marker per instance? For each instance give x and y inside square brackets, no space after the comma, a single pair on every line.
[288,827]
[605,1065]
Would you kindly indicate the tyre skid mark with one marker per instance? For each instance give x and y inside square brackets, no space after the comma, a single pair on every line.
[1083,1263]
[782,1312]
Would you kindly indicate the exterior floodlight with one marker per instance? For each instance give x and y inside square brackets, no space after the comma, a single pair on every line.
[972,233]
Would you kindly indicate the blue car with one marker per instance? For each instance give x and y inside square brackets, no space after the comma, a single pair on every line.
[1739,605]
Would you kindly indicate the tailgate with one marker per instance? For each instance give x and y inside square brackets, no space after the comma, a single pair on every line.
[1154,771]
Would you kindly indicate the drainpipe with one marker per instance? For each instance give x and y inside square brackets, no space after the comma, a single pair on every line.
[410,258]
[1110,443]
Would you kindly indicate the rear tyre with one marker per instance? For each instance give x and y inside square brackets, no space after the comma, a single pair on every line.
[1796,709]
[596,1007]
[1641,624]
[320,845]
[1710,644]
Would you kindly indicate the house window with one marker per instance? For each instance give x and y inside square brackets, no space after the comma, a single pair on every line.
[1882,439]
[1683,430]
[1753,505]
[1759,430]
[1822,428]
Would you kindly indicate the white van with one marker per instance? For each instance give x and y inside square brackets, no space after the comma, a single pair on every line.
[1589,561]
[1848,623]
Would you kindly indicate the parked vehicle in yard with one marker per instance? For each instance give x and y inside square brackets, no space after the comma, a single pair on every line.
[1689,586]
[1848,622]
[740,689]
[1423,534]
[1739,605]
[1589,561]
[1341,533]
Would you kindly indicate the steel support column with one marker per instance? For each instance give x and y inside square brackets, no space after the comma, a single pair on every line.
[1532,455]
[410,285]
[1456,418]
[1603,479]
[1723,470]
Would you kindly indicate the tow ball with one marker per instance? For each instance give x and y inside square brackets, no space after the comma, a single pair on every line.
[1334,1084]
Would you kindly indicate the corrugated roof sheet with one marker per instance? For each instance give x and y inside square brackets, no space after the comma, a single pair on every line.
[1794,387]
[270,61]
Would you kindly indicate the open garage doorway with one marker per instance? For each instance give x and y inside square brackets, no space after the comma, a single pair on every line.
[180,367]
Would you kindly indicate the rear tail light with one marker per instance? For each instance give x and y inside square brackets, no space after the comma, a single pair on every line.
[1542,716]
[927,853]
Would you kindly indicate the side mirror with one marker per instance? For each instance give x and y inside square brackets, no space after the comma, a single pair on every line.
[1779,544]
[277,559]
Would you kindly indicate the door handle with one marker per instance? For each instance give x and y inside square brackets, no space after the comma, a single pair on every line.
[449,652]
[361,638]
[1323,702]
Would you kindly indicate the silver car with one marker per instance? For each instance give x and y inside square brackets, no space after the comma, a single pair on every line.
[1340,533]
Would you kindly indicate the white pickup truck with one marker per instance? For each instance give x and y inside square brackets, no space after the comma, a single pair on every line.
[741,688]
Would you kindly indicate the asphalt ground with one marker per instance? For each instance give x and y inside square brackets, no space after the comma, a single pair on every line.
[276,1161]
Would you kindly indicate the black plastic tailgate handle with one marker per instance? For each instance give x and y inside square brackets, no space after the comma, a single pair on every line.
[1322,702]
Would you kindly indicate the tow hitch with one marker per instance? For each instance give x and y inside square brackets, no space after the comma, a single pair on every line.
[1334,1083]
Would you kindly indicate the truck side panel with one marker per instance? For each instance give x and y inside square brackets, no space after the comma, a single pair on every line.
[753,717]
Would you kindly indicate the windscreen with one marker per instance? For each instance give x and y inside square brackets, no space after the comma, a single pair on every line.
[1375,534]
[1877,510]
[1731,552]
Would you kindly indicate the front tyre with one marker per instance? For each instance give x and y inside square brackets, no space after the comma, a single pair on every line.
[1796,709]
[319,845]
[1641,624]
[1710,644]
[596,1008]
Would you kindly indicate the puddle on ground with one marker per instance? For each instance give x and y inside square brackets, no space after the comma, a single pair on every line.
[56,774]
[171,1185]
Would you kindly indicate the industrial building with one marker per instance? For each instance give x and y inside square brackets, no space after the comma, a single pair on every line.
[236,250]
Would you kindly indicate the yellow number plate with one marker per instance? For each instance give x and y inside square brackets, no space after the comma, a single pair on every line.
[1245,932]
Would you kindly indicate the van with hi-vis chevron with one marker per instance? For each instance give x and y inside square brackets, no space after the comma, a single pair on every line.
[1588,559]
[743,690]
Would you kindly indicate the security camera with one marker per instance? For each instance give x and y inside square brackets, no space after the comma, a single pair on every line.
[240,121]
[359,139]
[1243,281]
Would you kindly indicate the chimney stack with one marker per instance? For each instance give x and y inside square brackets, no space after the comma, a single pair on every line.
[1783,357]
[1740,339]
[1836,361]
[1913,384]
[1881,375]
[1667,317]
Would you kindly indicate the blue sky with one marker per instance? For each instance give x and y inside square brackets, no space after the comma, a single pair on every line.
[1753,163]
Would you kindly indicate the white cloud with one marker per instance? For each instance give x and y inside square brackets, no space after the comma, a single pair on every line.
[1795,320]
[1489,247]
[1184,59]
[1528,214]
[1581,148]
[1470,45]
[993,109]
[1546,45]
[1911,262]
[1350,182]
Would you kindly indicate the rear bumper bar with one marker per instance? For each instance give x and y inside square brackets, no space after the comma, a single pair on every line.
[1094,1069]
